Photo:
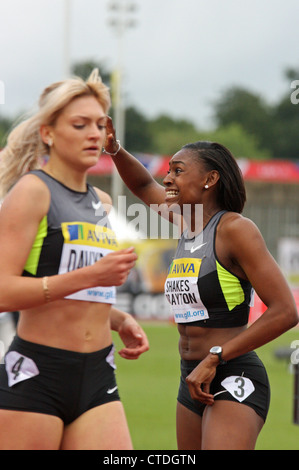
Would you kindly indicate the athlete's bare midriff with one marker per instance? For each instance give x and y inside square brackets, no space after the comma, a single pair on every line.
[68,324]
[195,342]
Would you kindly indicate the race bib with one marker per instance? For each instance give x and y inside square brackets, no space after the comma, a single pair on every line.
[181,291]
[239,387]
[110,358]
[19,368]
[85,244]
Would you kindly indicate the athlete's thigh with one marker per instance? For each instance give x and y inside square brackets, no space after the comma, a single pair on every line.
[229,425]
[188,428]
[29,431]
[101,428]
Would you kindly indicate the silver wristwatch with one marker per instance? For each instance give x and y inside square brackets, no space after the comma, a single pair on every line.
[217,350]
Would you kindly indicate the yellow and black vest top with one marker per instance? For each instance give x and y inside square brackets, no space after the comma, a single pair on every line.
[75,233]
[200,290]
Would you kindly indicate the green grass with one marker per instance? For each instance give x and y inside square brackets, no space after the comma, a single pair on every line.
[148,389]
[279,432]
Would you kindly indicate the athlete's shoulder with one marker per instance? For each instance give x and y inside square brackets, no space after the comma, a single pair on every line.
[29,187]
[237,231]
[104,197]
[233,221]
[29,199]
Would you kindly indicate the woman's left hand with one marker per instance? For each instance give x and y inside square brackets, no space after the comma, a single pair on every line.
[134,339]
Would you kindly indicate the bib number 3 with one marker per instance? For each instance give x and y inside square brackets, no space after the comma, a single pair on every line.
[19,368]
[239,387]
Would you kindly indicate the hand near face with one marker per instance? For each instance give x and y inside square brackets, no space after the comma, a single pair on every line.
[110,144]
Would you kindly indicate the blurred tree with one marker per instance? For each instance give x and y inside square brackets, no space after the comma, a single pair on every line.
[291,74]
[169,135]
[284,142]
[274,128]
[5,126]
[249,110]
[137,134]
[84,69]
[238,141]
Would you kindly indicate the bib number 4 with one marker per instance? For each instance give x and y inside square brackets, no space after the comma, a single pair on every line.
[19,368]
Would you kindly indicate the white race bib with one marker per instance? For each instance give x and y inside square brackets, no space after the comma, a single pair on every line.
[84,244]
[110,358]
[239,387]
[19,368]
[181,291]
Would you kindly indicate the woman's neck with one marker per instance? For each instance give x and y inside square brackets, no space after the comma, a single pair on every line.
[71,178]
[199,218]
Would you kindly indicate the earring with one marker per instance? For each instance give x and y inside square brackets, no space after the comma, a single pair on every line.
[206,186]
[50,142]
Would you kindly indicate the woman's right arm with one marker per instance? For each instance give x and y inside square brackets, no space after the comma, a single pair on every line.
[136,177]
[140,181]
[20,215]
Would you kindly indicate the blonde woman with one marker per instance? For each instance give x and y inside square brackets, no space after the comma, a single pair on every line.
[59,266]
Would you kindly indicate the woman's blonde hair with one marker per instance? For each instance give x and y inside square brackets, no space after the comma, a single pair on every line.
[25,149]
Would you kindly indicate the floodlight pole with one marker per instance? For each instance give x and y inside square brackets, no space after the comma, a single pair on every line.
[120,22]
[66,39]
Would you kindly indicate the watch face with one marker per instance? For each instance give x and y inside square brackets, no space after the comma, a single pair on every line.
[216,350]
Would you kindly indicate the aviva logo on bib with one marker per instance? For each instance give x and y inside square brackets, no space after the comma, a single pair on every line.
[184,267]
[84,233]
[182,293]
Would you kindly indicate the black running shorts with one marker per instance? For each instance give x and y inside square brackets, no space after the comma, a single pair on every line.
[58,382]
[243,379]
